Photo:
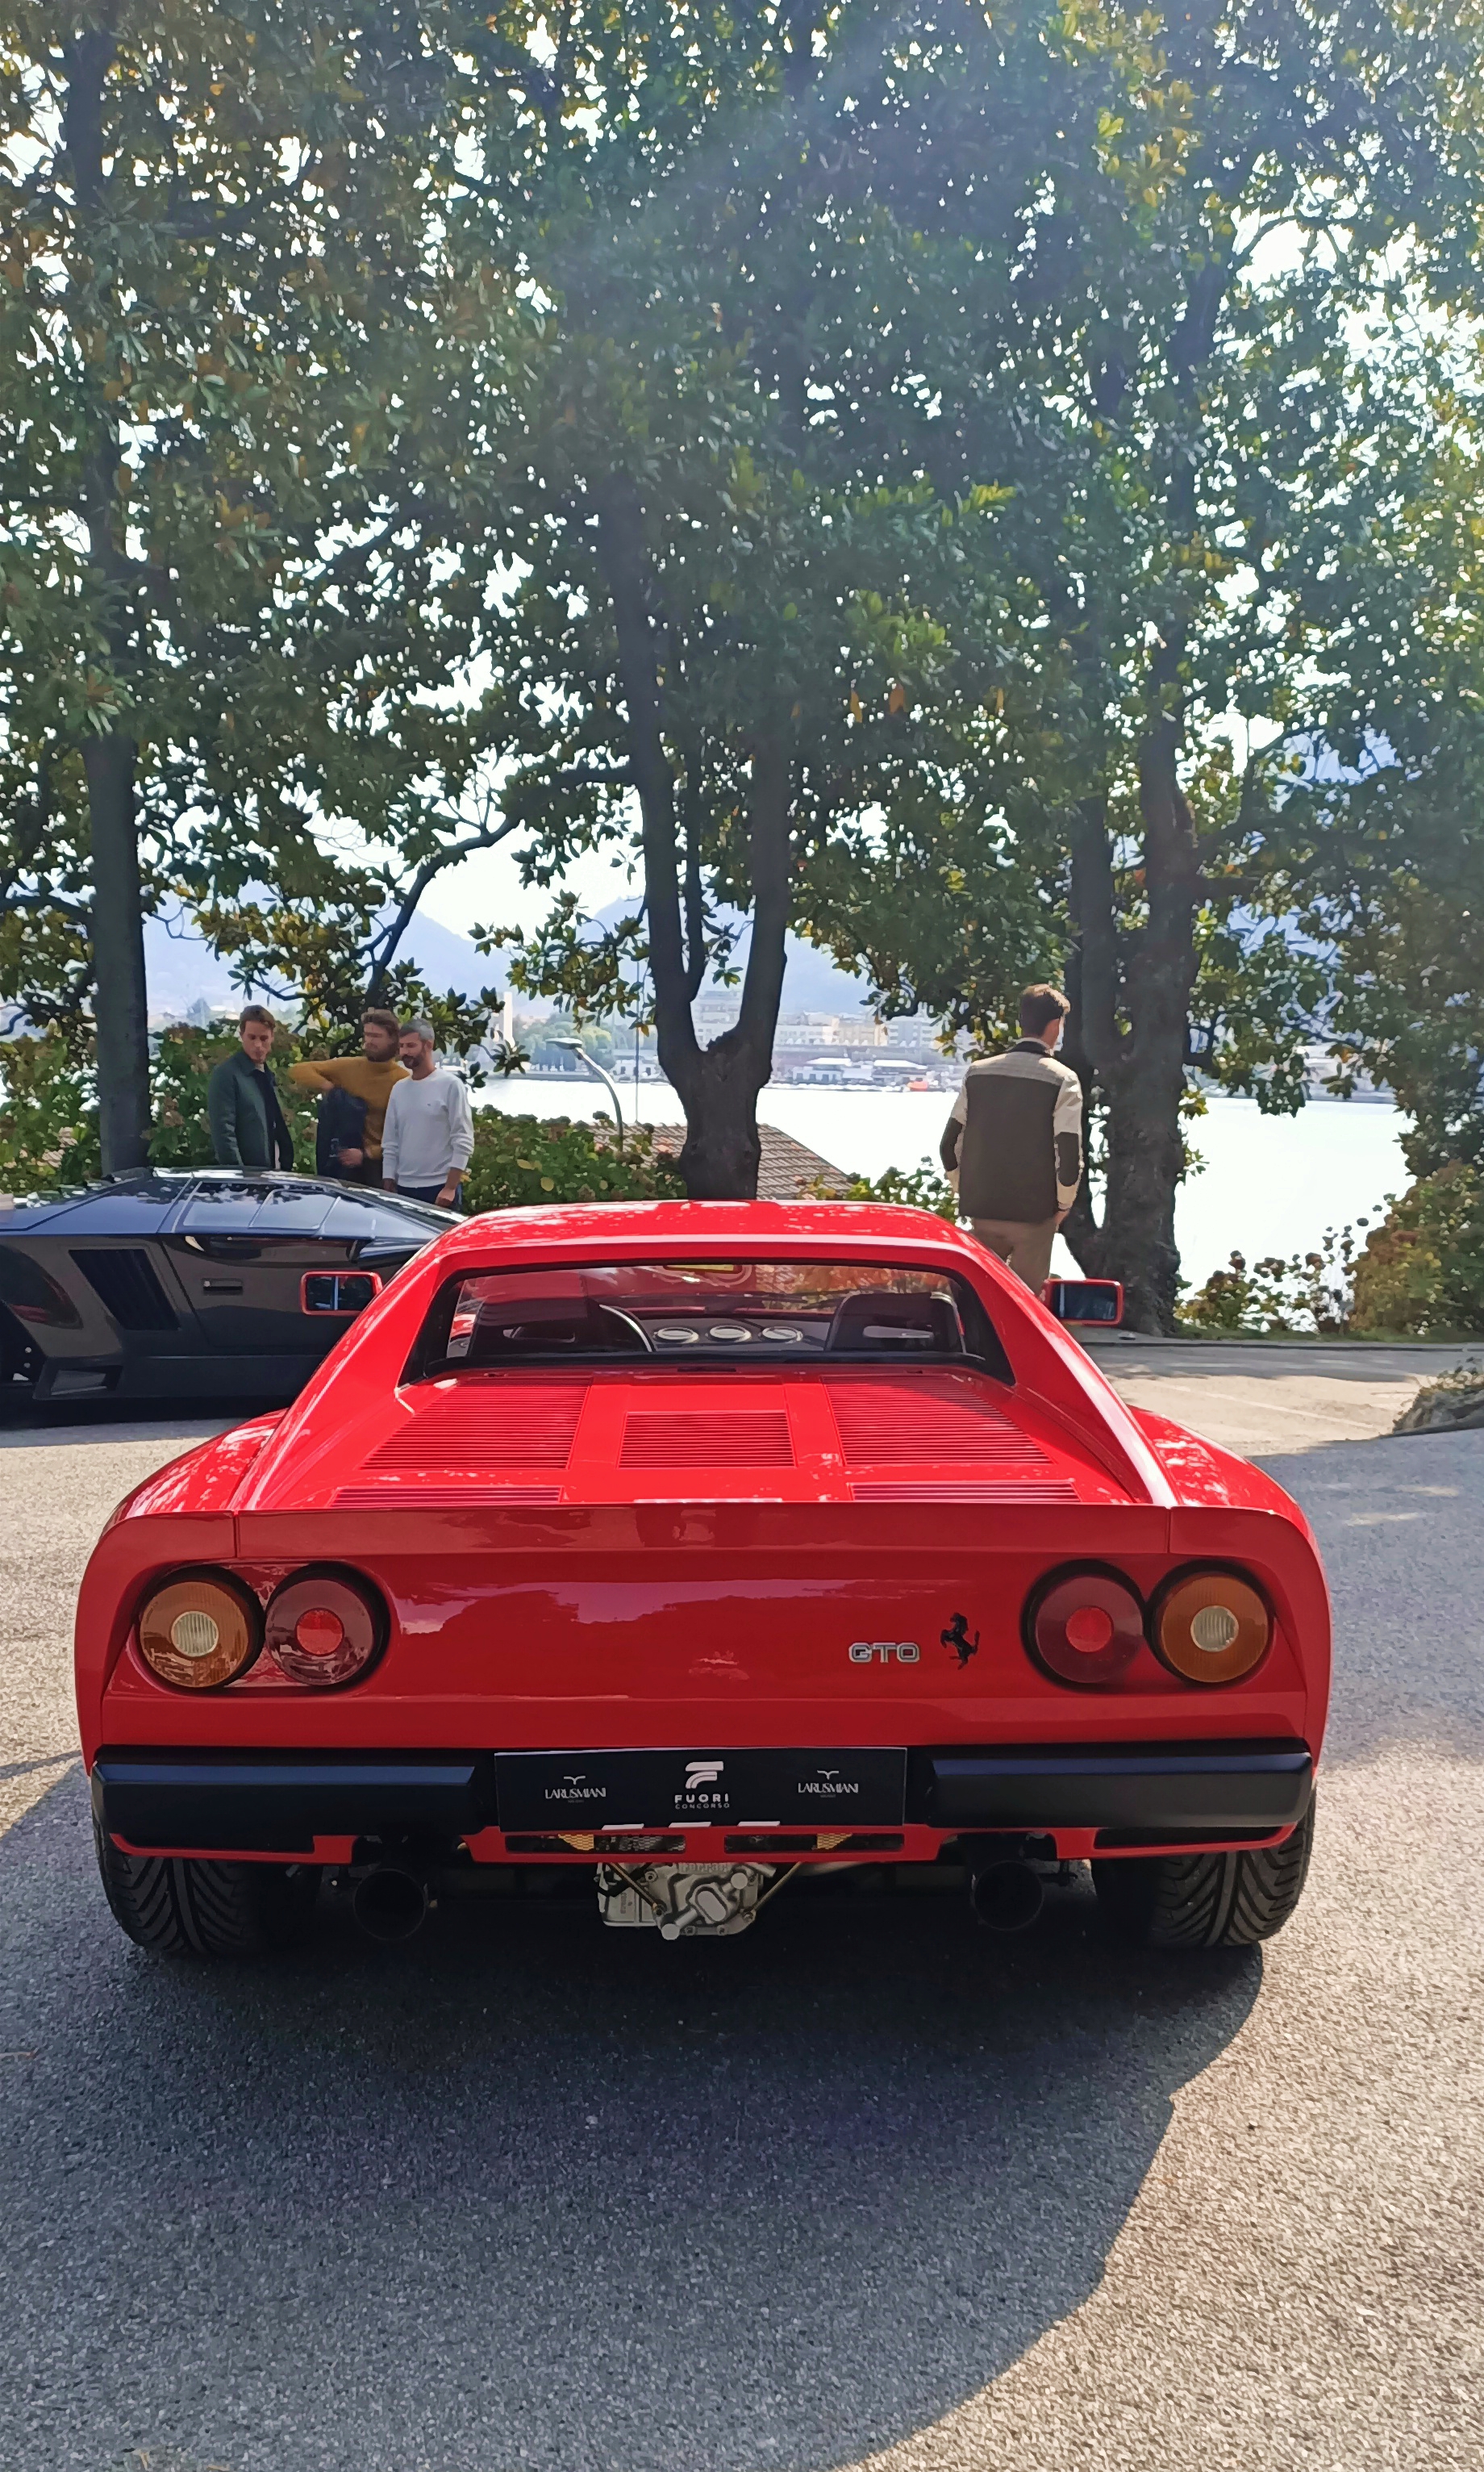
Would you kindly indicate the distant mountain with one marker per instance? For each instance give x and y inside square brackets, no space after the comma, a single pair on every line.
[811,982]
[181,966]
[181,969]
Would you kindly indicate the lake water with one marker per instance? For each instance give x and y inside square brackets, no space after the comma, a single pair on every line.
[1269,1184]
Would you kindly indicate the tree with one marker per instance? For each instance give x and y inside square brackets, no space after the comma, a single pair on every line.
[237,330]
[1375,853]
[746,630]
[1176,400]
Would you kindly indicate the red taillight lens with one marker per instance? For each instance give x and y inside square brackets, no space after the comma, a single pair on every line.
[1085,1627]
[199,1629]
[325,1627]
[1210,1627]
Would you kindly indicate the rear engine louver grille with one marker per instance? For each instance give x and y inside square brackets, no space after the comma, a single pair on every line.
[1004,1489]
[726,1438]
[900,1425]
[508,1426]
[123,1278]
[444,1497]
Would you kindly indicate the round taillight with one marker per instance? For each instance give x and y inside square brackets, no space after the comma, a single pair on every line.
[199,1629]
[1210,1627]
[1086,1626]
[325,1627]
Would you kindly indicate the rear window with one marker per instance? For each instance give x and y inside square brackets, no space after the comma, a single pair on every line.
[705,1312]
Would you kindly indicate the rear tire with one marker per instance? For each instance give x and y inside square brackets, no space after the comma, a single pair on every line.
[177,1906]
[1206,1900]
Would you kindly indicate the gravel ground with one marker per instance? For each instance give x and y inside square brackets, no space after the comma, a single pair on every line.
[528,2197]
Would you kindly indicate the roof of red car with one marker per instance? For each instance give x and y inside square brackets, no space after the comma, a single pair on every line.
[623,1223]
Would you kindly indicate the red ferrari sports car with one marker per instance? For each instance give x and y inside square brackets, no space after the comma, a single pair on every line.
[699,1549]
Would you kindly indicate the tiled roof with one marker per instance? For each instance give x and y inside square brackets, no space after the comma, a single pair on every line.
[787,1169]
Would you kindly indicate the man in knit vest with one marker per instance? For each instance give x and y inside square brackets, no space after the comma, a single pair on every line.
[1013,1144]
[429,1135]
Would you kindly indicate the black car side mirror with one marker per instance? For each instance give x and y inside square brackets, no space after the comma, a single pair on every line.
[1100,1301]
[338,1292]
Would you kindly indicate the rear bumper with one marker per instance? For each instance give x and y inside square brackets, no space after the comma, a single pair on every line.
[1165,1787]
[281,1802]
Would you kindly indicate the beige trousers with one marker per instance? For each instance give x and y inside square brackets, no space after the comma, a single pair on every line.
[1024,1246]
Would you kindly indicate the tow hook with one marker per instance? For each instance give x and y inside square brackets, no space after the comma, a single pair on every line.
[687,1900]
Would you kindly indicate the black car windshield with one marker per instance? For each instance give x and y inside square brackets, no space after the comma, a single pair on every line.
[705,1312]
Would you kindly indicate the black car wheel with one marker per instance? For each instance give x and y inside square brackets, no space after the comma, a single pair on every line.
[180,1908]
[1206,1900]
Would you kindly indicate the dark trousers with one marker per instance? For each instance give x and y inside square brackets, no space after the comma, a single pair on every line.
[429,1193]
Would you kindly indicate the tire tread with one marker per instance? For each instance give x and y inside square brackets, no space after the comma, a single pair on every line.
[177,1907]
[1207,1900]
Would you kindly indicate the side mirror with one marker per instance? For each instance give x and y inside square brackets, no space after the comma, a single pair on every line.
[338,1292]
[1096,1301]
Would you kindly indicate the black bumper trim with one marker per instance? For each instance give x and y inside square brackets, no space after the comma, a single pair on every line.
[1147,1786]
[281,1803]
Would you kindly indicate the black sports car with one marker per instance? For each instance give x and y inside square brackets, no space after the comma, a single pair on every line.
[192,1283]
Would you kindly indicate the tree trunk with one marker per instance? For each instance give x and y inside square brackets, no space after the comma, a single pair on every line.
[717,1085]
[1139,1068]
[120,1003]
[720,1093]
[120,1006]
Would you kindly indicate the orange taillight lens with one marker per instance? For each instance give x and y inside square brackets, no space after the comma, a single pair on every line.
[1210,1627]
[199,1629]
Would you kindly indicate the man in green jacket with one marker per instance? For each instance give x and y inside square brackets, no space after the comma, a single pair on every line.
[247,1127]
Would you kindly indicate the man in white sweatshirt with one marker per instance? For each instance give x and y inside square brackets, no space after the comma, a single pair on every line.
[429,1135]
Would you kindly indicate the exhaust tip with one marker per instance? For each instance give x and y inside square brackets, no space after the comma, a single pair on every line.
[391,1904]
[1007,1894]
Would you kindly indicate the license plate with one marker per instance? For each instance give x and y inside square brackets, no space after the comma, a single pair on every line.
[594,1790]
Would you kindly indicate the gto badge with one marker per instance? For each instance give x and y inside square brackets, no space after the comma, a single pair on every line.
[881,1651]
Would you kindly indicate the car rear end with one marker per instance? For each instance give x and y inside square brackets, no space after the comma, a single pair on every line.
[698,1621]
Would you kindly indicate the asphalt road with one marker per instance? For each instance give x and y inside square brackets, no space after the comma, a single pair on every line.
[530,2196]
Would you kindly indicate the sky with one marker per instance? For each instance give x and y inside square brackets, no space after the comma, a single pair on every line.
[487,891]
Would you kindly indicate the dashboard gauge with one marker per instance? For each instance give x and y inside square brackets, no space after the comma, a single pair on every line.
[730,1330]
[677,1334]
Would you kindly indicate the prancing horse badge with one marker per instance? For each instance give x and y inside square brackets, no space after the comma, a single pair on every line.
[957,1637]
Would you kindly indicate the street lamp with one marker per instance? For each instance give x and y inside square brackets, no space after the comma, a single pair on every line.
[579,1051]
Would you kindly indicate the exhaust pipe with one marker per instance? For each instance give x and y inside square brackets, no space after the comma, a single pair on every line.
[391,1903]
[1007,1893]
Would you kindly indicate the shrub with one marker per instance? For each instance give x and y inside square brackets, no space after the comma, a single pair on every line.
[919,1188]
[523,1159]
[1422,1273]
[48,1113]
[1309,1295]
[49,1128]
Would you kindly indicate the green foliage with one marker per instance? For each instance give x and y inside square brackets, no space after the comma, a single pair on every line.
[918,1188]
[519,1160]
[240,322]
[48,1113]
[49,1128]
[1422,1273]
[1309,1295]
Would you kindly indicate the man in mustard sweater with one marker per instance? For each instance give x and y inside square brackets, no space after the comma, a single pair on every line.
[371,1076]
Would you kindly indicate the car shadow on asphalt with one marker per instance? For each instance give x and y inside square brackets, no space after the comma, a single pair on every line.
[526,2191]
